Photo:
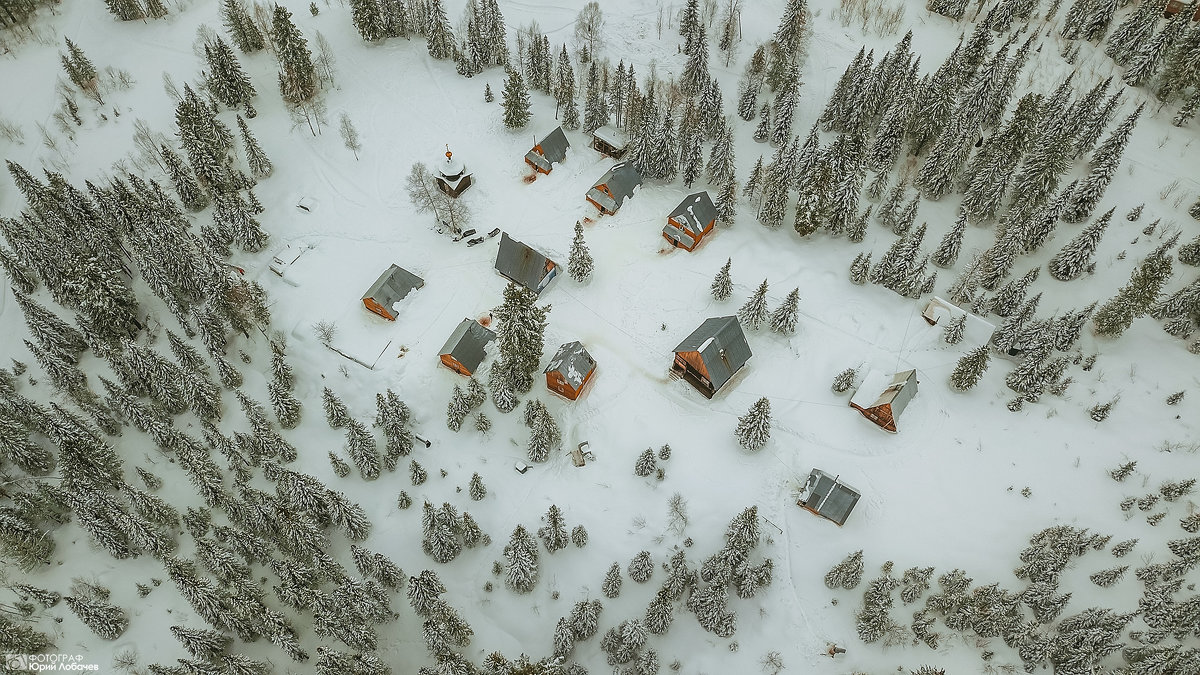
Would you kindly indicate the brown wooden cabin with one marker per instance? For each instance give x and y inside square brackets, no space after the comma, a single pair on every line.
[614,187]
[452,177]
[570,370]
[551,150]
[691,221]
[1175,6]
[881,398]
[392,286]
[464,350]
[712,354]
[608,140]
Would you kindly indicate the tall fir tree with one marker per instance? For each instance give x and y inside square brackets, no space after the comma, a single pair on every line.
[297,76]
[515,101]
[245,33]
[439,38]
[969,369]
[1074,257]
[579,264]
[1136,298]
[754,312]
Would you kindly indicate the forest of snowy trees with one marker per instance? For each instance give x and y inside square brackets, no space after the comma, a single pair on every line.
[143,331]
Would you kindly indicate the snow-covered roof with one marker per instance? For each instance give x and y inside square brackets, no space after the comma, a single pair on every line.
[612,136]
[828,496]
[521,264]
[940,311]
[622,179]
[694,213]
[451,168]
[573,362]
[554,145]
[466,344]
[392,286]
[878,388]
[722,347]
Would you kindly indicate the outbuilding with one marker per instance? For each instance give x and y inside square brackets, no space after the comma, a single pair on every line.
[465,349]
[615,186]
[611,141]
[570,370]
[712,354]
[551,150]
[391,287]
[523,265]
[690,221]
[881,398]
[828,497]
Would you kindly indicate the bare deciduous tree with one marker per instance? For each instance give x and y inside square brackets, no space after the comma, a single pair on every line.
[588,26]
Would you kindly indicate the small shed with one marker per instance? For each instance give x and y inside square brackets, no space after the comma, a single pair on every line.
[570,370]
[611,141]
[712,354]
[464,351]
[940,312]
[452,176]
[391,287]
[551,150]
[524,266]
[828,497]
[614,187]
[882,397]
[690,221]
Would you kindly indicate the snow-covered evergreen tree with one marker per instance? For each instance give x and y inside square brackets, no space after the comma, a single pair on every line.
[554,533]
[754,312]
[520,335]
[521,561]
[579,264]
[241,27]
[969,369]
[1136,298]
[1073,258]
[722,285]
[754,428]
[361,445]
[439,38]
[515,101]
[783,319]
[457,409]
[645,464]
[105,620]
[611,587]
[297,75]
[953,333]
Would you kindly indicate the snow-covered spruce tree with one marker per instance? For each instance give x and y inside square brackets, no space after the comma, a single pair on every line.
[645,464]
[1106,159]
[226,80]
[641,567]
[783,319]
[442,530]
[595,106]
[847,574]
[611,588]
[504,396]
[245,33]
[336,413]
[754,312]
[722,285]
[947,251]
[514,99]
[56,335]
[189,191]
[521,561]
[439,38]
[859,268]
[1012,294]
[286,406]
[368,19]
[126,10]
[554,533]
[105,620]
[709,604]
[457,409]
[754,428]
[544,435]
[953,333]
[1136,298]
[297,76]
[361,444]
[844,380]
[580,263]
[970,369]
[579,536]
[1189,253]
[520,336]
[1074,257]
[416,473]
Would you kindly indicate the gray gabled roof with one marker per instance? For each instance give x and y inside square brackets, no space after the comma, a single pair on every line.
[828,496]
[391,286]
[467,342]
[554,145]
[621,180]
[521,264]
[694,213]
[573,361]
[878,389]
[722,347]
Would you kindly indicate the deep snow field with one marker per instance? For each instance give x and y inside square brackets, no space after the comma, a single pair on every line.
[946,491]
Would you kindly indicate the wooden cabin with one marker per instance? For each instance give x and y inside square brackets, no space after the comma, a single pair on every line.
[465,349]
[828,497]
[710,357]
[690,221]
[523,265]
[570,370]
[452,176]
[391,287]
[610,141]
[881,398]
[614,187]
[1176,6]
[551,150]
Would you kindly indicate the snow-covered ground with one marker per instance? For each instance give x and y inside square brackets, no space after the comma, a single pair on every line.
[946,491]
